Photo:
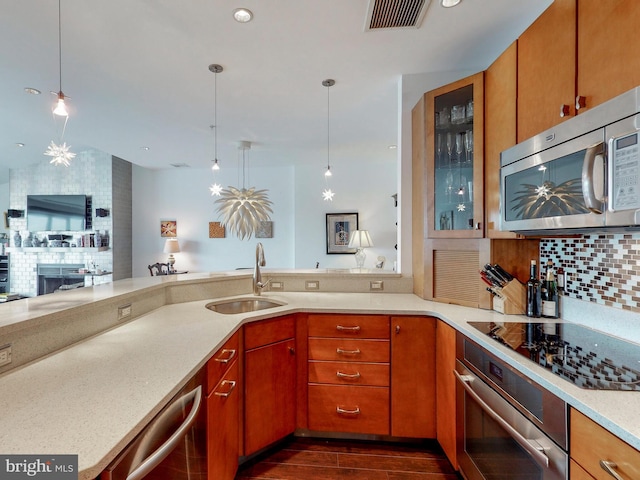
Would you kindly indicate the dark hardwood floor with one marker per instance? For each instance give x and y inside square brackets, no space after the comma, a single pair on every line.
[321,459]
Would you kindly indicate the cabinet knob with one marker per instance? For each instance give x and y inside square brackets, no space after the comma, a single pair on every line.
[397,328]
[292,350]
[581,102]
[565,110]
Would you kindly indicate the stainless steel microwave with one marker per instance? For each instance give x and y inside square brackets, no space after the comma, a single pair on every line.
[583,174]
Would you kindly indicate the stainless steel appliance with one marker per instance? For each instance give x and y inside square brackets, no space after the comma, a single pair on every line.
[581,174]
[173,446]
[512,428]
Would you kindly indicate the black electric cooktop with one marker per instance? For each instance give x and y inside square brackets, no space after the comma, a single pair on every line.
[580,355]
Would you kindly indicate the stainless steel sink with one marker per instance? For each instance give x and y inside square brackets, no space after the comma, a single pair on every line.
[243,305]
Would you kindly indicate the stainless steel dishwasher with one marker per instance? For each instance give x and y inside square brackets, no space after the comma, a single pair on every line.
[172,446]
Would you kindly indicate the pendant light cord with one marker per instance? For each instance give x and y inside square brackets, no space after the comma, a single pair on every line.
[60,42]
[215,117]
[328,130]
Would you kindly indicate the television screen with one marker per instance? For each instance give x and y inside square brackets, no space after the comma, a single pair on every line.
[47,213]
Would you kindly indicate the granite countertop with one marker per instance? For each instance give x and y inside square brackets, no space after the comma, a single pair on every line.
[78,400]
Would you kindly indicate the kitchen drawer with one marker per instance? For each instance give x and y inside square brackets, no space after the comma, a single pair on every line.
[349,373]
[591,443]
[329,407]
[576,472]
[221,361]
[349,326]
[265,332]
[347,350]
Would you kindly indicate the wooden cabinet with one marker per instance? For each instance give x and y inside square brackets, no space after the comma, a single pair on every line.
[446,390]
[547,69]
[454,147]
[500,96]
[270,382]
[576,49]
[348,379]
[590,444]
[223,411]
[413,373]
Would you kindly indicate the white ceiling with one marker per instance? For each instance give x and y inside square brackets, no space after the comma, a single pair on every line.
[137,74]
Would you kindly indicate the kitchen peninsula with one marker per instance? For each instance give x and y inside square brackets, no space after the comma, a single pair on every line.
[93,396]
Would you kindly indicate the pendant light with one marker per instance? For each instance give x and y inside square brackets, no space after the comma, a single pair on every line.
[215,188]
[60,153]
[244,209]
[327,194]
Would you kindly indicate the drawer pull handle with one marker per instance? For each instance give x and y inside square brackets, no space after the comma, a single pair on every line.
[231,388]
[342,328]
[343,411]
[348,375]
[230,353]
[341,351]
[610,467]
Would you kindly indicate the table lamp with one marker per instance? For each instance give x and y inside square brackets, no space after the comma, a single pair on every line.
[360,239]
[171,246]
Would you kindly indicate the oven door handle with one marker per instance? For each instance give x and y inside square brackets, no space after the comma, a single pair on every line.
[537,452]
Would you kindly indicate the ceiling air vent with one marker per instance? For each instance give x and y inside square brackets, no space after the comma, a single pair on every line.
[180,165]
[395,13]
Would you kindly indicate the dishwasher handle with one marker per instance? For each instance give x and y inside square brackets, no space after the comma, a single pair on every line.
[536,452]
[153,460]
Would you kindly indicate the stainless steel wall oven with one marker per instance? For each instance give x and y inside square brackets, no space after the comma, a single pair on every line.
[512,427]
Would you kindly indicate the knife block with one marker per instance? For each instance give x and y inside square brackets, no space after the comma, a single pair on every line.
[513,300]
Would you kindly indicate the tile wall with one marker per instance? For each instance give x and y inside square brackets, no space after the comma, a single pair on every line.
[89,174]
[603,268]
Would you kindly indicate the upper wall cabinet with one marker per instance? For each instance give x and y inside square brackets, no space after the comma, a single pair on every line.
[454,123]
[577,55]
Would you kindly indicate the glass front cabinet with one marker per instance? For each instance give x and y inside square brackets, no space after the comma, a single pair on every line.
[454,159]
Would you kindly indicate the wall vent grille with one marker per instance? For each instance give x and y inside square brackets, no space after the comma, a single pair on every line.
[395,13]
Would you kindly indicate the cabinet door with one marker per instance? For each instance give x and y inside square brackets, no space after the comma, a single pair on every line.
[270,394]
[222,427]
[455,166]
[608,64]
[500,90]
[547,69]
[446,390]
[413,394]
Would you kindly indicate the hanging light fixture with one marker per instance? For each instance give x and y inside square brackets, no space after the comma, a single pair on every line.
[60,153]
[327,194]
[215,188]
[244,209]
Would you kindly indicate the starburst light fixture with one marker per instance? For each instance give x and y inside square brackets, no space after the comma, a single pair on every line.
[327,194]
[243,209]
[215,188]
[60,152]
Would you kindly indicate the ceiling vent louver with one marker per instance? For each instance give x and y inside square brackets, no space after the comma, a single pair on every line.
[395,13]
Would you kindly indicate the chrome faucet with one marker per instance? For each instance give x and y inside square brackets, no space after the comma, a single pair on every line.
[257,275]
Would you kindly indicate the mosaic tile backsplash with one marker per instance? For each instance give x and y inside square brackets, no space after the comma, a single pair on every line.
[603,269]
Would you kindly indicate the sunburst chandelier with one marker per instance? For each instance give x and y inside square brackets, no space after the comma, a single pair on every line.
[327,194]
[60,153]
[243,209]
[215,188]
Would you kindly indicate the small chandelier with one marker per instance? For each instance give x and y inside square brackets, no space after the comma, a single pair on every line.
[215,188]
[327,194]
[244,209]
[60,153]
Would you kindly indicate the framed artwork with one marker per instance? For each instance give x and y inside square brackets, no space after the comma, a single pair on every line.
[265,230]
[6,220]
[339,229]
[168,228]
[216,230]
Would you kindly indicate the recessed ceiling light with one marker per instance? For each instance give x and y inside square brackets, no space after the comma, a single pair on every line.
[32,91]
[449,3]
[19,144]
[392,147]
[144,148]
[242,15]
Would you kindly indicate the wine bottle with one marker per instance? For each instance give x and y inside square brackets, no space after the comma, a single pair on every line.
[549,294]
[533,292]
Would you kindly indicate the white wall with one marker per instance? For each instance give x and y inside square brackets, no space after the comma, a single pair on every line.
[299,216]
[362,187]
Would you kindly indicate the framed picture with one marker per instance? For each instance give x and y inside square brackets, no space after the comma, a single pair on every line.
[216,230]
[339,229]
[265,230]
[168,228]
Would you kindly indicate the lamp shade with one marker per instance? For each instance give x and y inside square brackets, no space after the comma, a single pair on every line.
[360,239]
[171,245]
